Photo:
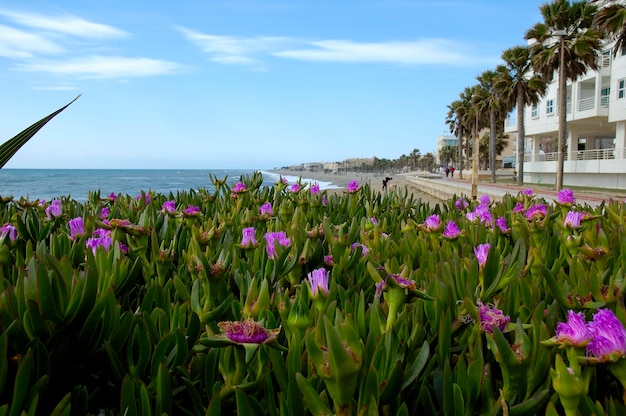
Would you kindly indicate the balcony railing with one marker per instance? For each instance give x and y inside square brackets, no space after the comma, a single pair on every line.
[594,154]
[586,104]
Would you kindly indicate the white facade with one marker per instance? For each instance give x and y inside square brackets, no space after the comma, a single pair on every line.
[596,129]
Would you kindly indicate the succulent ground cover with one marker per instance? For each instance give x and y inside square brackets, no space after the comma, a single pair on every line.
[284,300]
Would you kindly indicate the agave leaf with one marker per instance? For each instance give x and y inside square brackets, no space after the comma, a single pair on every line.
[11,146]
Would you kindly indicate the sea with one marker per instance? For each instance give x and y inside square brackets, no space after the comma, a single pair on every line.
[47,184]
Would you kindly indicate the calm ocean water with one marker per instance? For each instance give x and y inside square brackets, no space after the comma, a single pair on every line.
[50,183]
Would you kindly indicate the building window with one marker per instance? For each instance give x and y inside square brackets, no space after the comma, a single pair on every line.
[605,93]
[550,107]
[535,111]
[606,58]
[621,88]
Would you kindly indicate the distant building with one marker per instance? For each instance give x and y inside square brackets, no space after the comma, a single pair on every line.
[443,142]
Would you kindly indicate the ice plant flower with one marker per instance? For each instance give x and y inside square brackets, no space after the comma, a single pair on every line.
[266,210]
[491,317]
[574,331]
[247,332]
[315,189]
[484,200]
[481,252]
[566,197]
[461,204]
[432,223]
[364,249]
[324,202]
[329,260]
[248,239]
[8,230]
[527,192]
[54,209]
[77,227]
[608,337]
[239,187]
[100,238]
[352,186]
[169,207]
[191,211]
[502,225]
[536,211]
[572,219]
[295,188]
[452,230]
[144,196]
[112,196]
[483,213]
[318,280]
[271,238]
[105,212]
[519,207]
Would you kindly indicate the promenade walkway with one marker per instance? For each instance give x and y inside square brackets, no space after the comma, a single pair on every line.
[446,188]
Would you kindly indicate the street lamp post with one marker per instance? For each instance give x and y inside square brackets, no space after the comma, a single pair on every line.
[562,111]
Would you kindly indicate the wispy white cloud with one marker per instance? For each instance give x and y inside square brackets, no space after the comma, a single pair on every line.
[67,24]
[103,67]
[15,43]
[254,50]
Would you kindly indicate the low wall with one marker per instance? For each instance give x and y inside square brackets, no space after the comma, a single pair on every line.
[445,190]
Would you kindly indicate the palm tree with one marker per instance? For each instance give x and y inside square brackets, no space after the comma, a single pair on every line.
[456,113]
[521,87]
[497,106]
[572,55]
[610,19]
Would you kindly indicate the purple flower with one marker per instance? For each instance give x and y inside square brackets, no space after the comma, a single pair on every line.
[364,249]
[248,237]
[239,187]
[472,216]
[112,196]
[271,238]
[461,204]
[8,230]
[374,220]
[527,192]
[484,200]
[169,207]
[54,209]
[105,212]
[101,238]
[502,225]
[191,211]
[452,230]
[315,189]
[247,332]
[432,223]
[566,197]
[608,336]
[295,188]
[329,260]
[572,219]
[266,210]
[483,213]
[536,211]
[144,196]
[318,279]
[402,282]
[491,317]
[123,247]
[324,202]
[77,227]
[481,252]
[519,207]
[574,331]
[353,186]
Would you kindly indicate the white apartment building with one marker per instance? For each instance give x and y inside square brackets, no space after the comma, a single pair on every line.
[444,141]
[596,129]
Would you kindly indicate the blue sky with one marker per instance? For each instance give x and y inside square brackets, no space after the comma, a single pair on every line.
[242,83]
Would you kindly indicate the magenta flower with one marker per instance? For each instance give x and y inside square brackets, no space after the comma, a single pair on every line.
[574,331]
[608,336]
[484,200]
[483,213]
[502,225]
[77,227]
[239,187]
[8,230]
[112,196]
[54,209]
[324,202]
[295,188]
[572,219]
[248,239]
[519,207]
[123,247]
[144,196]
[364,249]
[101,238]
[481,252]
[191,211]
[472,216]
[491,317]
[318,280]
[536,211]
[271,238]
[461,204]
[105,212]
[169,207]
[266,210]
[566,197]
[452,230]
[315,189]
[374,220]
[247,332]
[527,192]
[329,260]
[353,186]
[432,223]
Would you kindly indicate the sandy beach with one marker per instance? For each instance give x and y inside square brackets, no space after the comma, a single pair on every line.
[375,181]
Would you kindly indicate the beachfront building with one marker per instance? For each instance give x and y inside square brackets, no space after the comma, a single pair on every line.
[443,142]
[596,129]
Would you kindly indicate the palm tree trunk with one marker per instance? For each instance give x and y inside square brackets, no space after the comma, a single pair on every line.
[521,135]
[492,144]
